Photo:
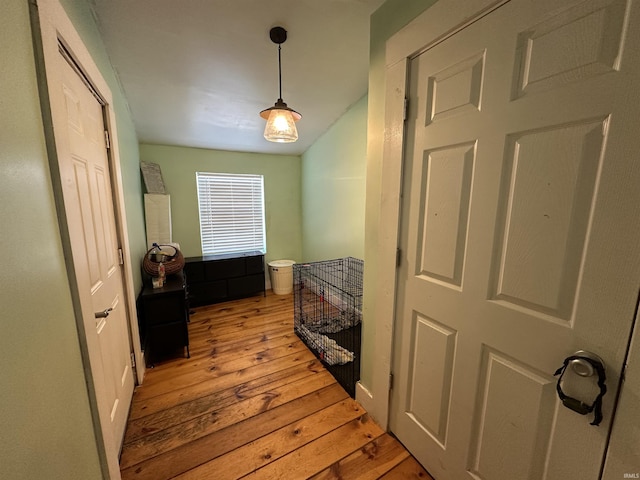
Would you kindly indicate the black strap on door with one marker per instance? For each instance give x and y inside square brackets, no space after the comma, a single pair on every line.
[575,404]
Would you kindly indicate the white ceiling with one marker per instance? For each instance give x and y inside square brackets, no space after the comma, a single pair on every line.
[198,72]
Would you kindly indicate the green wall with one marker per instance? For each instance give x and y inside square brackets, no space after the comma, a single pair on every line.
[385,22]
[281,188]
[333,189]
[45,417]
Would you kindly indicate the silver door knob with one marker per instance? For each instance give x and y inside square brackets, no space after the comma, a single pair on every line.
[104,313]
[582,367]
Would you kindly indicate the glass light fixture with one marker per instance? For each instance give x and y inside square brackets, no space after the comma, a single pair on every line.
[281,126]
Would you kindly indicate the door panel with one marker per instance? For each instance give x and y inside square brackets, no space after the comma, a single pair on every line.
[432,371]
[91,218]
[519,239]
[514,419]
[574,45]
[445,209]
[547,205]
[456,89]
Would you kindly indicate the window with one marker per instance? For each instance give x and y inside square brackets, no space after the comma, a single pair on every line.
[231,212]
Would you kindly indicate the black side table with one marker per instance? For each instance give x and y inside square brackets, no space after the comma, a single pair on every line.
[164,316]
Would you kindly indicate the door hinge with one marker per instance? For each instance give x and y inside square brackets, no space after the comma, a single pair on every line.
[405,114]
[398,257]
[121,256]
[107,141]
[133,360]
[391,381]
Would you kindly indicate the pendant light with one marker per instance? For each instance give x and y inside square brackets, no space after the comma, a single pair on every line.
[280,118]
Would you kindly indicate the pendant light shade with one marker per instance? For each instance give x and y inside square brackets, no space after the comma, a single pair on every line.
[280,118]
[281,126]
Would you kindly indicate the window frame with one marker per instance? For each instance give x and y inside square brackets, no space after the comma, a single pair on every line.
[241,221]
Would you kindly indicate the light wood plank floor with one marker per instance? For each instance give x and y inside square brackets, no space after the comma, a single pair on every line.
[253,402]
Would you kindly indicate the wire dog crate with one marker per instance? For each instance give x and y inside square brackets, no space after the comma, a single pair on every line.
[328,314]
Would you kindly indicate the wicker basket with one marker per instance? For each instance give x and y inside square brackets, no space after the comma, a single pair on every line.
[172,265]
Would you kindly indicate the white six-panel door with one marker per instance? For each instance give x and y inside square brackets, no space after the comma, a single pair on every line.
[88,201]
[520,238]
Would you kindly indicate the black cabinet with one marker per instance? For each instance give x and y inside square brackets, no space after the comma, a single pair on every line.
[164,314]
[218,278]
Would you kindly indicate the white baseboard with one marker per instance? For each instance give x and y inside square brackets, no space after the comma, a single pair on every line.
[364,397]
[143,367]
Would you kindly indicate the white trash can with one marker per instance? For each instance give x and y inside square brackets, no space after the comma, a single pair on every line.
[281,273]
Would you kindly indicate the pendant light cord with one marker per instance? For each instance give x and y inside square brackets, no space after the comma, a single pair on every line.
[279,72]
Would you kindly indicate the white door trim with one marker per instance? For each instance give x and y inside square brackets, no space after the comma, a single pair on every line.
[443,19]
[55,27]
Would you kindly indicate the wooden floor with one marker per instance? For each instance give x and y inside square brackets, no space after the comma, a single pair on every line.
[253,402]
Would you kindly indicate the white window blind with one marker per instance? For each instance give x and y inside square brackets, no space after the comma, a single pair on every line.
[231,212]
